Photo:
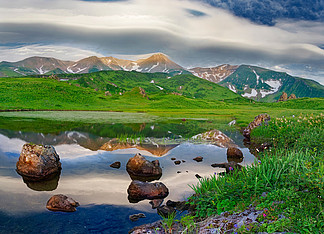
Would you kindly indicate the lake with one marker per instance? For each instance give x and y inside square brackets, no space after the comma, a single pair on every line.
[87,143]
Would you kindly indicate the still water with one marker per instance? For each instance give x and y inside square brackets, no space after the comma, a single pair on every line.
[87,148]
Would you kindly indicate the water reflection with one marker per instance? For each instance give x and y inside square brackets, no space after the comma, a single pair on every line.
[49,184]
[87,176]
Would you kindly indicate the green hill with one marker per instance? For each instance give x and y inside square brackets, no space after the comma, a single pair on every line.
[153,83]
[267,85]
[50,94]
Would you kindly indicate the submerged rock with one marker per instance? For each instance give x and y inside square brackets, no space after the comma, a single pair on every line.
[136,217]
[38,162]
[139,190]
[258,120]
[139,168]
[61,202]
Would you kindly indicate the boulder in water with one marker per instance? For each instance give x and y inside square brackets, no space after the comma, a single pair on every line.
[139,168]
[198,159]
[115,165]
[38,162]
[233,152]
[61,202]
[139,190]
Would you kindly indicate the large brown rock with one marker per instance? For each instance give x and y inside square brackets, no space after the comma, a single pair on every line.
[139,190]
[38,162]
[61,202]
[292,96]
[283,97]
[261,118]
[233,152]
[143,93]
[139,168]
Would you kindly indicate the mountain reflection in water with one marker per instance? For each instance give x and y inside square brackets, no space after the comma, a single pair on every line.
[101,190]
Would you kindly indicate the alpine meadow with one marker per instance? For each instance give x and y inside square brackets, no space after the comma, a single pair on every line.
[169,116]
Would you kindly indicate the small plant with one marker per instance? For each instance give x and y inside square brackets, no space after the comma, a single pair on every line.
[168,222]
[188,224]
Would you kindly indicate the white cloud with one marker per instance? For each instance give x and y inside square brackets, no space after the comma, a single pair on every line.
[13,54]
[143,26]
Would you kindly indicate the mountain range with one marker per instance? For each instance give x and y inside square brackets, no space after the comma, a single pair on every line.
[248,81]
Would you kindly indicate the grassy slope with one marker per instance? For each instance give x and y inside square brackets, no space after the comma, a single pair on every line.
[40,94]
[291,176]
[187,85]
[31,93]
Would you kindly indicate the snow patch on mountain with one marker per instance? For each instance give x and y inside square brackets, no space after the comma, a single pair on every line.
[253,93]
[274,84]
[40,70]
[159,87]
[16,70]
[232,88]
[257,76]
[68,69]
[154,66]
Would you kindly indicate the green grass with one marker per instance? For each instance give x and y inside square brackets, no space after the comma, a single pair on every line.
[291,174]
[32,93]
[49,94]
[121,81]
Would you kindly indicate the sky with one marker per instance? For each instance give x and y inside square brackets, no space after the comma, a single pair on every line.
[284,35]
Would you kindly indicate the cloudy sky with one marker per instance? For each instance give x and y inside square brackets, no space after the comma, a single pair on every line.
[285,35]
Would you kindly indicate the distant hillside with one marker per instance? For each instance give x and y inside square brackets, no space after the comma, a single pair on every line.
[259,83]
[47,66]
[118,82]
[263,84]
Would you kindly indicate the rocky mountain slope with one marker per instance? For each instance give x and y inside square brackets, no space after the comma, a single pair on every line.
[248,81]
[267,85]
[214,74]
[47,66]
[259,83]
